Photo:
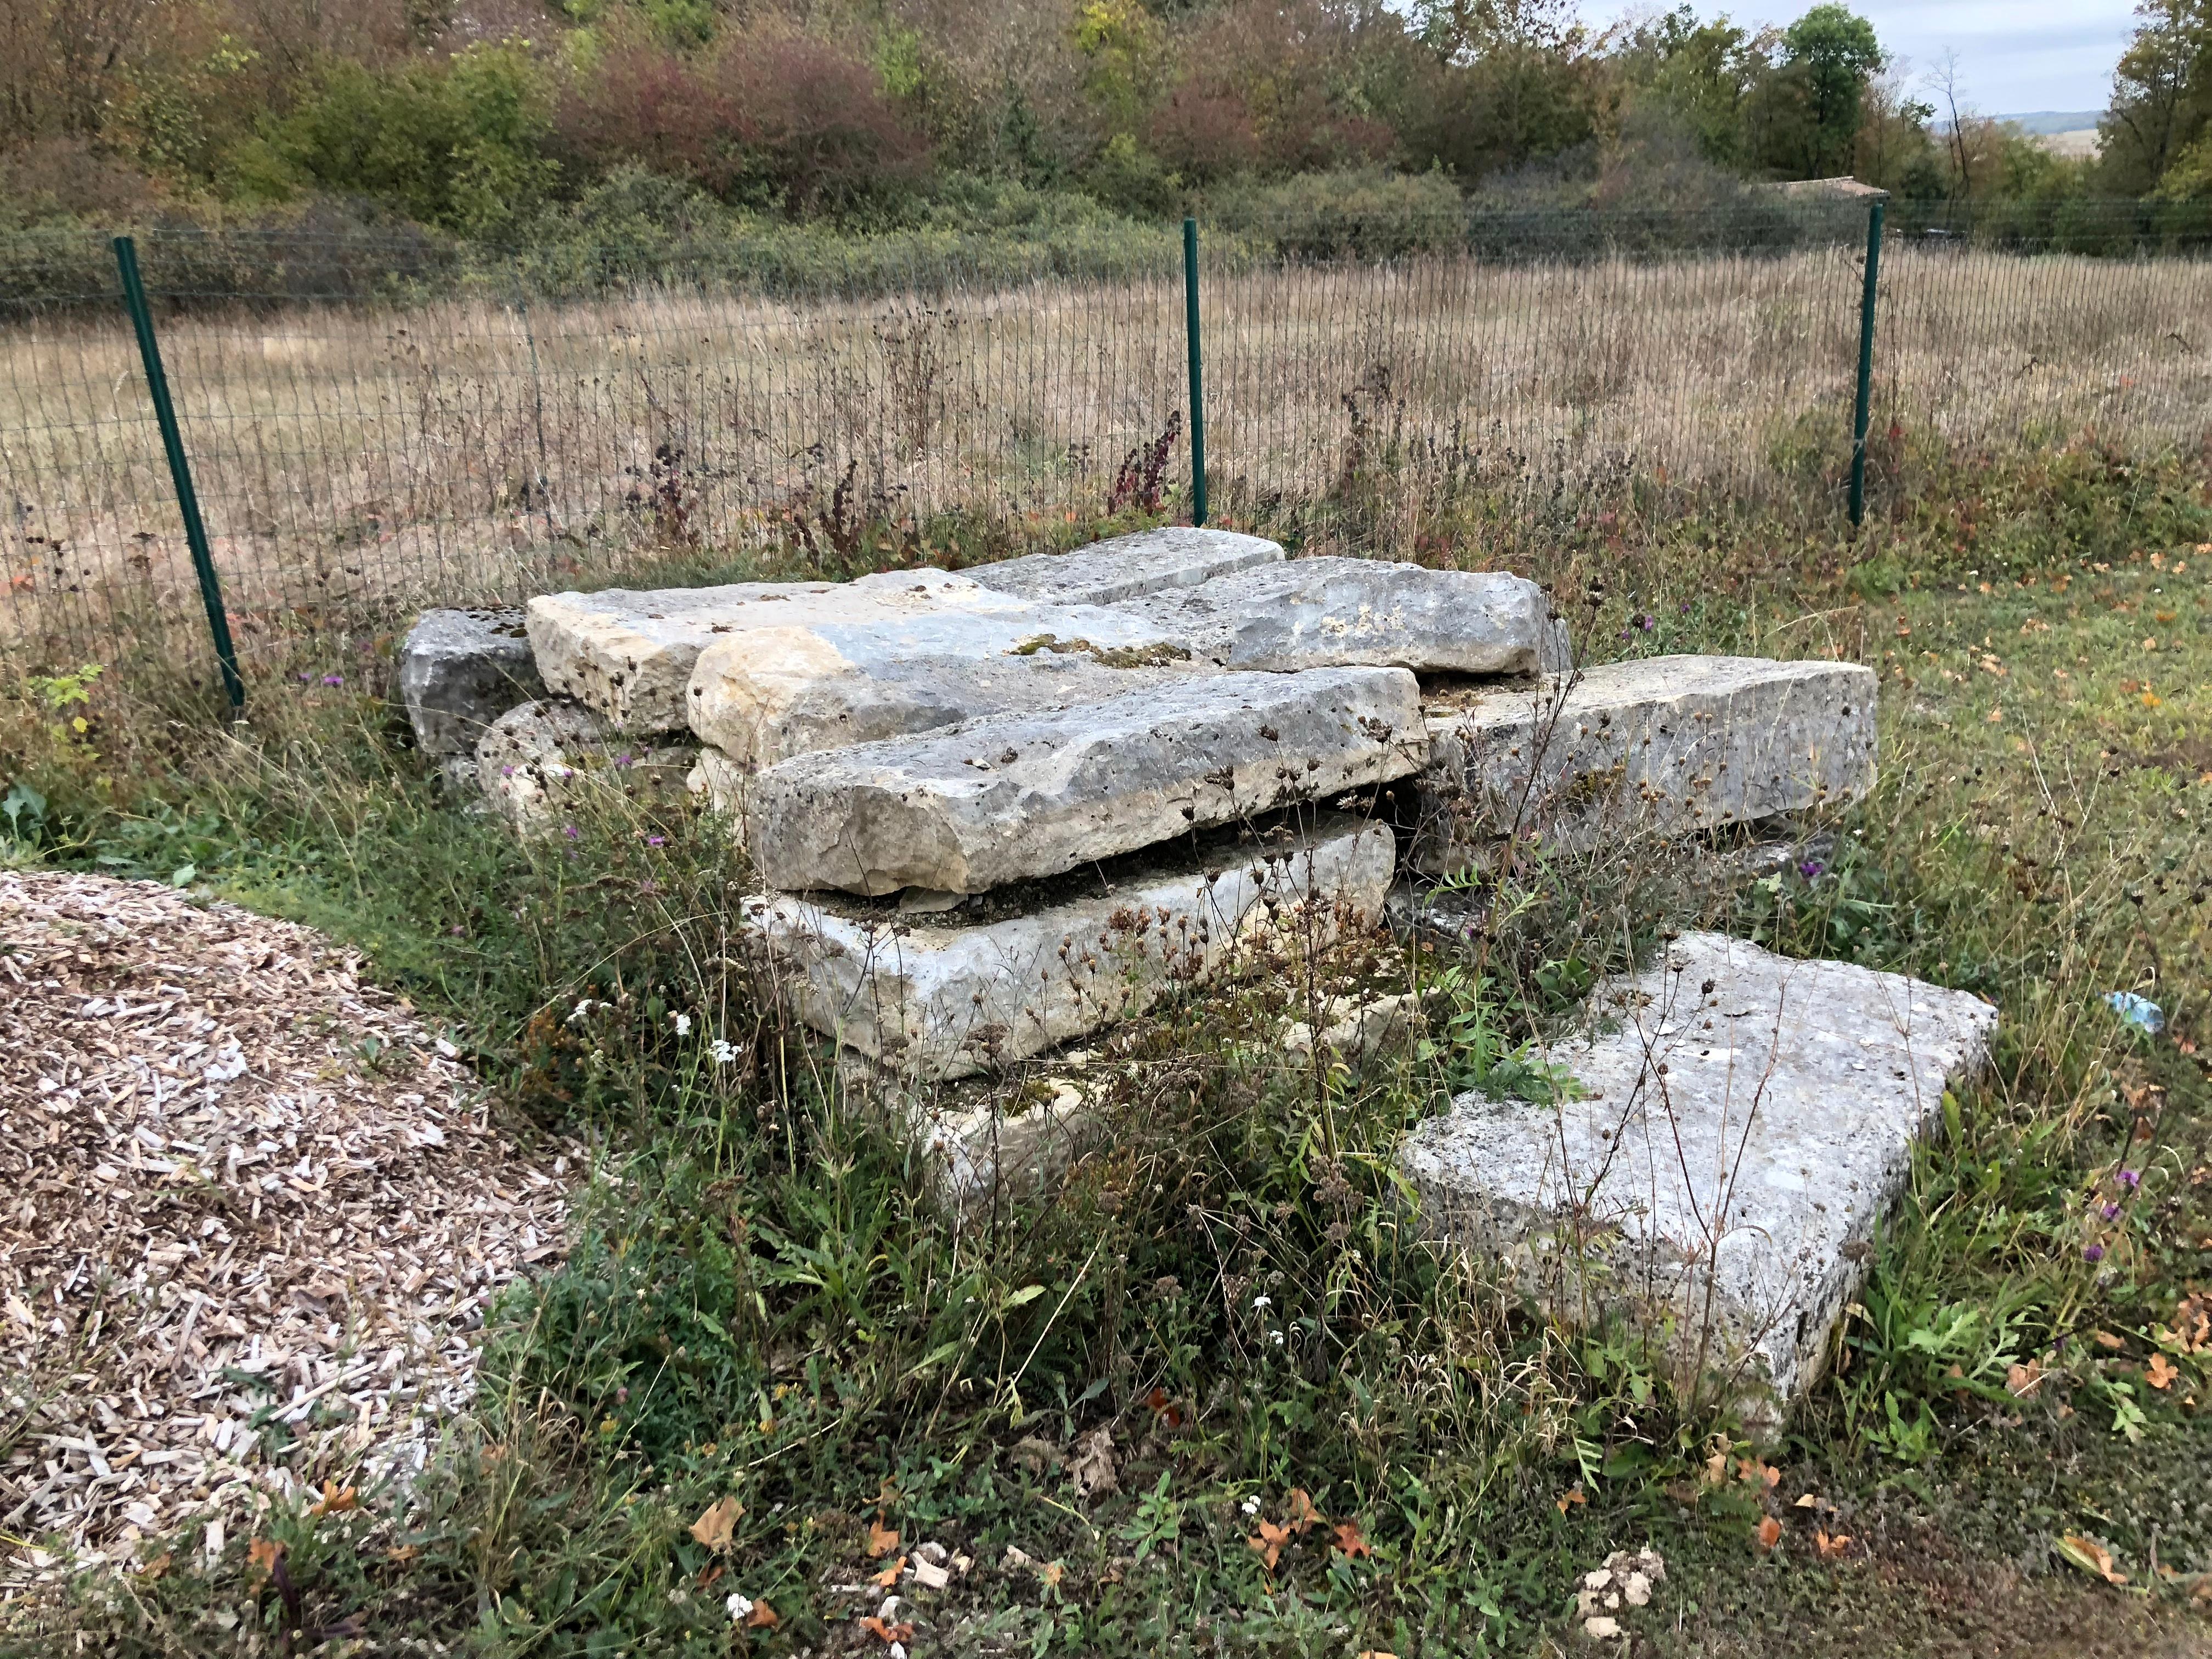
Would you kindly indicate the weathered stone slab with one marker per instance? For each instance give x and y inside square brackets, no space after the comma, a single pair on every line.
[461,670]
[630,655]
[772,694]
[938,998]
[1738,1125]
[1318,613]
[536,761]
[1128,566]
[1667,745]
[1015,797]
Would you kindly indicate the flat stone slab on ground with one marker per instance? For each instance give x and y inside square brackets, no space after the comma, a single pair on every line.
[1736,1138]
[543,756]
[1128,566]
[773,693]
[629,654]
[1015,797]
[938,998]
[1325,612]
[1665,745]
[461,670]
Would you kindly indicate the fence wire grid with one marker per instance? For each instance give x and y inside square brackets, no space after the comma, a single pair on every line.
[374,424]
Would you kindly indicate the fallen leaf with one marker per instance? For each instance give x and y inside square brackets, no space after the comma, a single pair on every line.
[1716,1468]
[2091,1557]
[1267,1543]
[157,1566]
[882,1540]
[1052,1572]
[1572,1495]
[2106,1339]
[1376,1653]
[707,1579]
[1164,1409]
[885,1633]
[1830,1545]
[714,1528]
[262,1555]
[1303,1516]
[335,1500]
[890,1575]
[2021,1381]
[1756,1474]
[1092,1467]
[1770,1534]
[762,1617]
[1349,1541]
[2162,1371]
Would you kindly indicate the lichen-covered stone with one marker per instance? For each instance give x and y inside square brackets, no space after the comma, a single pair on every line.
[1665,745]
[935,997]
[1015,796]
[461,670]
[1735,1125]
[538,759]
[1128,566]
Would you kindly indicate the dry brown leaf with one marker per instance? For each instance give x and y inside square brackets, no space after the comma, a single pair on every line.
[2091,1557]
[1572,1495]
[2162,1372]
[2021,1381]
[262,1555]
[1267,1543]
[882,1540]
[1052,1572]
[718,1522]
[883,1632]
[1770,1534]
[1303,1517]
[2106,1339]
[762,1617]
[890,1575]
[1830,1545]
[1349,1541]
[335,1500]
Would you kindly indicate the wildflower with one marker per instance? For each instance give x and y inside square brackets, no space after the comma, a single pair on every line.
[2093,1253]
[581,1012]
[1685,607]
[656,841]
[683,1024]
[1251,1506]
[740,1607]
[1276,1337]
[1811,868]
[571,831]
[623,758]
[1648,621]
[333,679]
[2112,1211]
[2130,1179]
[722,1051]
[1258,1301]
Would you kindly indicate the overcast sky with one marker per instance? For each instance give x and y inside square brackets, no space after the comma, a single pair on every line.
[2015,56]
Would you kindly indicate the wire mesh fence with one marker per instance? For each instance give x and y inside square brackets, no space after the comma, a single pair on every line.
[377,423]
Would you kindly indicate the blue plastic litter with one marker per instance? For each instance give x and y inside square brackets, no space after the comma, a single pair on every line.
[2141,1012]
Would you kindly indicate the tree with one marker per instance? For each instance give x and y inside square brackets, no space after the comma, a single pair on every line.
[1833,55]
[2162,96]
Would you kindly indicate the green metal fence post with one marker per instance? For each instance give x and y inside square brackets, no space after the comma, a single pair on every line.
[180,475]
[1876,212]
[1197,378]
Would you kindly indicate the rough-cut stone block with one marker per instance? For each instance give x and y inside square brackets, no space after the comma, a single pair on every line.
[776,693]
[1015,797]
[536,760]
[1128,566]
[939,997]
[630,655]
[1665,745]
[461,670]
[1317,613]
[1739,1123]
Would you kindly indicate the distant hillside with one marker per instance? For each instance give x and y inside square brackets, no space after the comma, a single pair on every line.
[2044,123]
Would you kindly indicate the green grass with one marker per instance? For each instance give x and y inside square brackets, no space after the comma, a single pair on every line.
[760,1305]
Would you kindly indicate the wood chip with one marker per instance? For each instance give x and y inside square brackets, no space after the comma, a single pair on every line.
[250,1220]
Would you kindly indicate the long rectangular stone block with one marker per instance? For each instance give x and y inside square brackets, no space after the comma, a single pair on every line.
[1665,745]
[461,670]
[1737,1125]
[935,998]
[1015,796]
[1128,566]
[773,693]
[630,655]
[1316,613]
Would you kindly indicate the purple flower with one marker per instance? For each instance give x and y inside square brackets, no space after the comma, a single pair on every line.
[461,933]
[1685,607]
[1811,868]
[2093,1253]
[305,677]
[507,771]
[622,759]
[333,679]
[2132,1179]
[2112,1211]
[1648,621]
[571,831]
[656,841]
[1624,633]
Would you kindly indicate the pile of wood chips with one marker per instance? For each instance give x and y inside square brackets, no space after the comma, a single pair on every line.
[250,1213]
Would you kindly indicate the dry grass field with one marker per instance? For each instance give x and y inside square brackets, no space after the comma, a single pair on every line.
[354,461]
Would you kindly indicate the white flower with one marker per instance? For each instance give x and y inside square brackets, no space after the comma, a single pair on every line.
[683,1022]
[581,1011]
[1258,1301]
[739,1606]
[1276,1337]
[1251,1506]
[722,1051]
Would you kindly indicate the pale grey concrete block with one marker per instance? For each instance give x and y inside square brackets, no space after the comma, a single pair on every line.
[1738,1124]
[461,670]
[1015,797]
[935,997]
[1667,745]
[1128,566]
[1316,613]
